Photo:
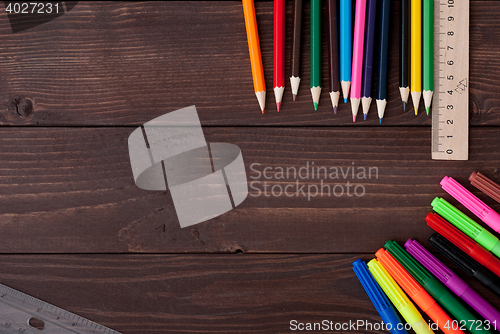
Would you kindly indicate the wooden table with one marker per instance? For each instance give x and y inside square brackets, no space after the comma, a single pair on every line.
[77,232]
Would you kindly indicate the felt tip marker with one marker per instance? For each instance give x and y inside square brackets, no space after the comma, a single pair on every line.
[489,216]
[405,307]
[452,281]
[466,244]
[436,289]
[416,292]
[378,298]
[487,186]
[467,225]
[470,266]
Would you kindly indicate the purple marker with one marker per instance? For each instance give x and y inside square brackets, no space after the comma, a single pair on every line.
[452,281]
[366,87]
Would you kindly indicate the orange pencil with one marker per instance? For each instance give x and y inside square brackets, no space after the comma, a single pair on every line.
[416,292]
[254,49]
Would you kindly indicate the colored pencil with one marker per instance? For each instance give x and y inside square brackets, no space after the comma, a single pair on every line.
[366,88]
[279,51]
[404,45]
[345,46]
[333,62]
[428,53]
[315,51]
[296,42]
[255,56]
[416,53]
[382,58]
[357,56]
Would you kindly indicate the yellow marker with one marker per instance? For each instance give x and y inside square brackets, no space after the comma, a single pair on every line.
[399,298]
[416,52]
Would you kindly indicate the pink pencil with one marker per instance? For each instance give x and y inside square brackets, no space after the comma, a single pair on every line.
[357,56]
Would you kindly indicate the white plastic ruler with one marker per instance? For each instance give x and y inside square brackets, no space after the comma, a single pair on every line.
[21,313]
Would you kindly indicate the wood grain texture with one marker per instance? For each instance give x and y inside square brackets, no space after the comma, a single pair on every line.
[159,294]
[71,190]
[74,88]
[125,63]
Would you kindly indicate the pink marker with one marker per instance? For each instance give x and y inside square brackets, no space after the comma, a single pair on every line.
[357,56]
[471,202]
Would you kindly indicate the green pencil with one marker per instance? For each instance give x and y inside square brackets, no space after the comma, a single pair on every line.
[315,51]
[428,53]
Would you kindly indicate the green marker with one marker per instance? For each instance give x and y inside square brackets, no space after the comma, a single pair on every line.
[467,225]
[436,289]
[428,52]
[315,51]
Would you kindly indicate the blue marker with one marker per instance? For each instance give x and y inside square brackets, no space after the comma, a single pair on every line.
[378,298]
[345,46]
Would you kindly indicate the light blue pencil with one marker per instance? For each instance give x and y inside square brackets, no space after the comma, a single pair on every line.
[345,46]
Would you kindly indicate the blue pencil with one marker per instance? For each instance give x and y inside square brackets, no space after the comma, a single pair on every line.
[382,58]
[345,46]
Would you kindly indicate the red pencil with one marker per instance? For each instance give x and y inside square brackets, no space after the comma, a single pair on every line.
[279,51]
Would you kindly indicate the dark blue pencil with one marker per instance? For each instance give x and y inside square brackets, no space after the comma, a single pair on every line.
[366,87]
[382,58]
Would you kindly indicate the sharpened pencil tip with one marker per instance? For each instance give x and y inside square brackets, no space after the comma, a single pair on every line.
[345,100]
[263,110]
[416,112]
[380,120]
[315,106]
[364,116]
[294,96]
[335,110]
[354,118]
[427,110]
[404,106]
[278,106]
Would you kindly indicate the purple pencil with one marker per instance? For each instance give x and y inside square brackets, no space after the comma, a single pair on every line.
[366,88]
[452,281]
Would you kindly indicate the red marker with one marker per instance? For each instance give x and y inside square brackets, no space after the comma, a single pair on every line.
[279,51]
[466,244]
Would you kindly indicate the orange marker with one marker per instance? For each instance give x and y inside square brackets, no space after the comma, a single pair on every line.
[416,292]
[255,56]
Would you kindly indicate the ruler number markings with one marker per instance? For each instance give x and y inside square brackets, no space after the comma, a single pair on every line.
[450,141]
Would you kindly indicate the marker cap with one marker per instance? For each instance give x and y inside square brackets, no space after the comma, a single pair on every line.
[378,298]
[486,185]
[441,226]
[471,202]
[388,285]
[436,267]
[371,287]
[415,291]
[466,263]
[405,280]
[466,244]
[397,296]
[435,288]
[409,263]
[464,223]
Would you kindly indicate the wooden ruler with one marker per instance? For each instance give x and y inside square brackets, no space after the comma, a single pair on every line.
[21,313]
[450,111]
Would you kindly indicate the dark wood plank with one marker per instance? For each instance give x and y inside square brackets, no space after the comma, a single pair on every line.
[71,190]
[199,293]
[126,63]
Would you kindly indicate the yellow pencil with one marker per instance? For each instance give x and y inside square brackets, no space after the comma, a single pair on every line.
[416,53]
[254,49]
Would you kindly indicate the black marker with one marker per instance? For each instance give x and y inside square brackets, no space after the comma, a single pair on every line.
[466,263]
